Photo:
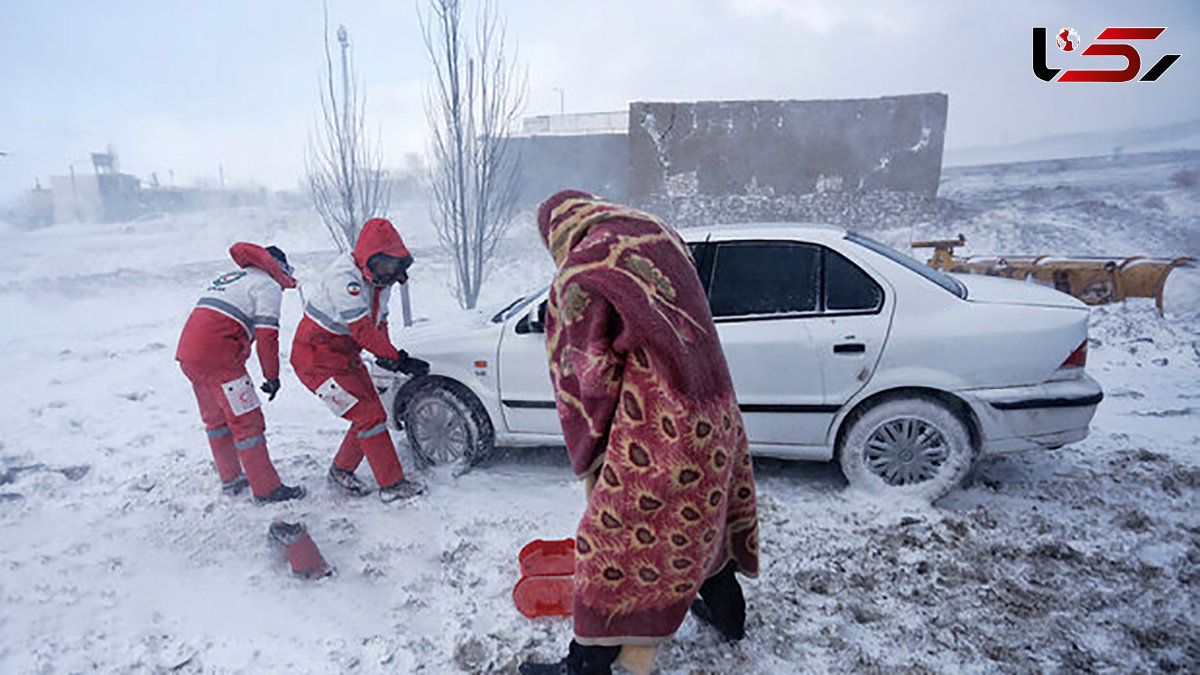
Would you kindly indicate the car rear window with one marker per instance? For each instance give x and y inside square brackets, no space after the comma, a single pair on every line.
[941,279]
[765,278]
[848,288]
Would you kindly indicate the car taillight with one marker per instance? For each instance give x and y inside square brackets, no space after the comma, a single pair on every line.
[1078,358]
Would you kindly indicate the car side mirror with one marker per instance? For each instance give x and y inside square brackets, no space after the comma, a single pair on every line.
[531,323]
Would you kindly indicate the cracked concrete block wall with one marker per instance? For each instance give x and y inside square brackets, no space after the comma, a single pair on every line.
[597,163]
[793,160]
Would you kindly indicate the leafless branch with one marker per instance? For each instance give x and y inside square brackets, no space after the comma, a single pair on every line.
[473,106]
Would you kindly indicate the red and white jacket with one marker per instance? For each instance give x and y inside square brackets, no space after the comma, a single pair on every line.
[238,308]
[343,310]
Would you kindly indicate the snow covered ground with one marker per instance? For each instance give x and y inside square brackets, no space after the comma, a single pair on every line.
[120,554]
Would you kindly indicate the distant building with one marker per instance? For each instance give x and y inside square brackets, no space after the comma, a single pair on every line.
[95,197]
[107,195]
[577,123]
[587,151]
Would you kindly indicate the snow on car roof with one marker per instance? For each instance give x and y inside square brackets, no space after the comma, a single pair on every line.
[761,230]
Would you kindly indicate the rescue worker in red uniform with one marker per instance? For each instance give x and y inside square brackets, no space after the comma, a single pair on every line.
[239,308]
[345,313]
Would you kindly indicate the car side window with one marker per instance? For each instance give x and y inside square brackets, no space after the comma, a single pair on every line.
[702,255]
[848,288]
[764,277]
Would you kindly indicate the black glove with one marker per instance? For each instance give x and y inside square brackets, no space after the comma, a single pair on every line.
[413,367]
[271,387]
[388,364]
[404,364]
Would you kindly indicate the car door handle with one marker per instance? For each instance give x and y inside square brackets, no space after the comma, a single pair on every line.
[850,348]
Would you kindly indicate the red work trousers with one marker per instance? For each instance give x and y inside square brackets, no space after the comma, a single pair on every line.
[368,434]
[237,441]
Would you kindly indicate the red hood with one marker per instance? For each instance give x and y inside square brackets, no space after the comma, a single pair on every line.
[253,255]
[377,236]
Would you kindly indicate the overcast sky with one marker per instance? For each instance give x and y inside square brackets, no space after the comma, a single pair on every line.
[185,87]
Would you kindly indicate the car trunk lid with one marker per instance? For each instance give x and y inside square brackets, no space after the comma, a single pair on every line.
[997,290]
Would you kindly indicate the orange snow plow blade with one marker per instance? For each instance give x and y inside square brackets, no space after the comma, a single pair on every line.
[1094,280]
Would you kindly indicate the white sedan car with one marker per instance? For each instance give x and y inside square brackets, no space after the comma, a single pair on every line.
[840,347]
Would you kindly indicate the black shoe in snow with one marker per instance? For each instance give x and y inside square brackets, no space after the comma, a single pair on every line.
[282,494]
[702,613]
[722,605]
[560,668]
[404,489]
[235,487]
[580,660]
[347,481]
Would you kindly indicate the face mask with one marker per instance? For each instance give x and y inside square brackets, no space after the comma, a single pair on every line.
[387,270]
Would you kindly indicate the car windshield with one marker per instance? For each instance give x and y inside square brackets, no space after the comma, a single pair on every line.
[940,278]
[514,307]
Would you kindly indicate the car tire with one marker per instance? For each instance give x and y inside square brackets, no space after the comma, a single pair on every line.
[445,422]
[914,446]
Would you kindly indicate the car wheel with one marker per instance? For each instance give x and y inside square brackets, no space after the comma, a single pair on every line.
[914,446]
[446,423]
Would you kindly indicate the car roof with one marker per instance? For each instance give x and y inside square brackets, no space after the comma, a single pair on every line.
[781,230]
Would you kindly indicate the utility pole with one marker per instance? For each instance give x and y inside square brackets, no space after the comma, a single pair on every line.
[75,196]
[344,41]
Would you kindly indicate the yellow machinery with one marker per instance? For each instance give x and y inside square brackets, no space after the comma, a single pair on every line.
[1094,280]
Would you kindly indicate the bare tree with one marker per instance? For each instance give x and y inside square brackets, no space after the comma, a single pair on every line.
[473,107]
[345,168]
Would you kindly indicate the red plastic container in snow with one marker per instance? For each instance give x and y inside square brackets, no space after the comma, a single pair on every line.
[548,558]
[302,552]
[547,580]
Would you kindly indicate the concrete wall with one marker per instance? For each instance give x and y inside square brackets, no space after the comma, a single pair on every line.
[793,160]
[598,163]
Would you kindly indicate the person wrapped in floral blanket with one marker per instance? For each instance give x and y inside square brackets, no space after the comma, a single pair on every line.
[652,425]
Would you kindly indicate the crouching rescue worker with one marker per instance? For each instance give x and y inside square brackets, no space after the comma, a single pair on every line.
[238,308]
[345,312]
[652,426]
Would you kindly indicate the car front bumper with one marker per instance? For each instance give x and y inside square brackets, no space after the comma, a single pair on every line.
[1046,415]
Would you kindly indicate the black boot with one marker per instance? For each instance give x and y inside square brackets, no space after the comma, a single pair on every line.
[580,660]
[235,487]
[347,481]
[282,494]
[721,604]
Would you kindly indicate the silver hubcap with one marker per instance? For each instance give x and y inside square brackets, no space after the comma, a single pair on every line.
[906,451]
[440,430]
